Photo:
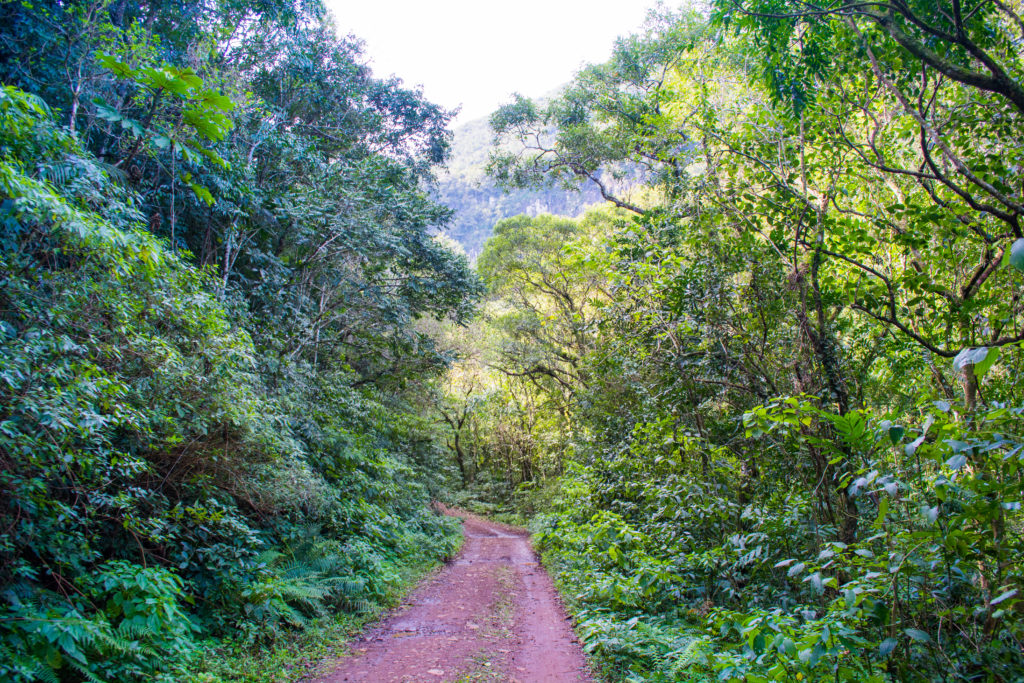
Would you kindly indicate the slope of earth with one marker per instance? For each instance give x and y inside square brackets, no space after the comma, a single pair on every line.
[492,614]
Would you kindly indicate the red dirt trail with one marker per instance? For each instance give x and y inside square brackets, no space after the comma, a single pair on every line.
[492,614]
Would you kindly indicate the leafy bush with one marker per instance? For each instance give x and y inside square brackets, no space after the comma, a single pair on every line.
[158,487]
[126,624]
[771,595]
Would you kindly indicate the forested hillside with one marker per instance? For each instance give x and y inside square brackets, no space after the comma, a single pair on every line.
[766,418]
[478,202]
[215,245]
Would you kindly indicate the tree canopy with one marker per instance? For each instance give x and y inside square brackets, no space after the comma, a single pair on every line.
[781,438]
[217,245]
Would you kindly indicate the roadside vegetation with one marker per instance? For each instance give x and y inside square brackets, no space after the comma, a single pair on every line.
[761,406]
[764,409]
[214,250]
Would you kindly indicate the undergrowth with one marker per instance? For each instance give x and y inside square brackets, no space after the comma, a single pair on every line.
[624,637]
[165,481]
[302,653]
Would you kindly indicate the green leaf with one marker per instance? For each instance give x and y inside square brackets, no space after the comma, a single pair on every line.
[883,510]
[918,635]
[815,580]
[957,461]
[886,647]
[613,552]
[990,358]
[1017,255]
[956,445]
[215,99]
[912,447]
[895,434]
[190,78]
[115,66]
[982,358]
[202,193]
[1005,596]
[106,112]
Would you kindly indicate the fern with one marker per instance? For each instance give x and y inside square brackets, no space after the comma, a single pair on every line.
[303,581]
[85,672]
[60,173]
[17,665]
[129,629]
[45,673]
[686,656]
[306,591]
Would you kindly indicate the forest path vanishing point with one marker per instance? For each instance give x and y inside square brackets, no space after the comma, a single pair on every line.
[492,614]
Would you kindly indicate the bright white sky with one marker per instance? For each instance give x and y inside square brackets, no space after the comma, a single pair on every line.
[476,53]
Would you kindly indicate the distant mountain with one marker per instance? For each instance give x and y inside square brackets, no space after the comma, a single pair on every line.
[479,204]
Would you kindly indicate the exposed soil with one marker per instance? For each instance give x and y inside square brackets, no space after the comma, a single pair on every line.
[492,614]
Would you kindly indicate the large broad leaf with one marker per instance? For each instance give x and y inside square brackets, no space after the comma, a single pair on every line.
[982,358]
[1017,254]
[912,447]
[215,99]
[957,461]
[918,635]
[106,112]
[115,65]
[202,193]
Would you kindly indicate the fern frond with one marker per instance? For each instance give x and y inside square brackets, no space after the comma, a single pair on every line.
[117,175]
[346,586]
[60,173]
[687,655]
[269,557]
[293,616]
[135,630]
[358,606]
[85,673]
[19,662]
[44,673]
[303,591]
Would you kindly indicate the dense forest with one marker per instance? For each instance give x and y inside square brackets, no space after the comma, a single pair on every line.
[216,252]
[765,417]
[760,405]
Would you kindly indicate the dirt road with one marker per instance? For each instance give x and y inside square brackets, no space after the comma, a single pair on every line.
[492,614]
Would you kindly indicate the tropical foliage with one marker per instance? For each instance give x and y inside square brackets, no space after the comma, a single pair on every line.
[769,413]
[215,245]
[761,408]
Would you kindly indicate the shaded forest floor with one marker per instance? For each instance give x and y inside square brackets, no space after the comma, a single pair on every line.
[492,614]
